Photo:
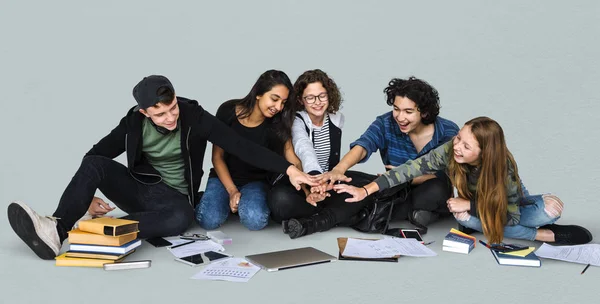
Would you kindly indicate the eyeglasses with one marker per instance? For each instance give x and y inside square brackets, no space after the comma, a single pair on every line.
[310,99]
[194,236]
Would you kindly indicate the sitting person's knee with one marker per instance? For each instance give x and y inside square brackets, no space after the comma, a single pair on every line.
[439,188]
[177,221]
[254,219]
[280,202]
[93,161]
[553,206]
[209,222]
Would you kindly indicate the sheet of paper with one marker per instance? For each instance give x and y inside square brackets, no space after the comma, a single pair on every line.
[232,269]
[195,248]
[406,247]
[385,248]
[582,254]
[365,249]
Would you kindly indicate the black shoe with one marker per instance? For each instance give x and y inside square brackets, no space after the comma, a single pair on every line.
[319,222]
[296,228]
[284,226]
[424,217]
[466,230]
[569,234]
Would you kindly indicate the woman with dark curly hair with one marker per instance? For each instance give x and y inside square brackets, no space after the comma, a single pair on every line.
[409,131]
[316,137]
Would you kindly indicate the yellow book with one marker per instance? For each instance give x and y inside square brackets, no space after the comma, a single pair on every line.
[109,226]
[520,253]
[63,260]
[76,236]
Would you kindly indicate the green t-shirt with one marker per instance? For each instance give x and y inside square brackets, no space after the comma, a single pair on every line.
[163,152]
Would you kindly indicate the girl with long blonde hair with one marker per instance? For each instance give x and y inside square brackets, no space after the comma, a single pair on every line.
[490,196]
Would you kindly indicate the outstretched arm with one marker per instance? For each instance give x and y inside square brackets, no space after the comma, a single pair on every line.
[303,147]
[372,140]
[433,161]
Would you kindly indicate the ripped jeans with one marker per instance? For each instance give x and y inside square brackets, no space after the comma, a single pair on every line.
[533,215]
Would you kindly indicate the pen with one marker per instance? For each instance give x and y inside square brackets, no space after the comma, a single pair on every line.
[584,269]
[186,243]
[428,243]
[484,244]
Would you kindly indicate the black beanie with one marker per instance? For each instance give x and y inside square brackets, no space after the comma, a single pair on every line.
[145,92]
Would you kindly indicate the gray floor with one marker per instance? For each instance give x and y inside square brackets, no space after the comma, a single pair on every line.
[449,277]
[68,67]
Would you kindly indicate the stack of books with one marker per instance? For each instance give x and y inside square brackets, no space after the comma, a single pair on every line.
[459,242]
[100,241]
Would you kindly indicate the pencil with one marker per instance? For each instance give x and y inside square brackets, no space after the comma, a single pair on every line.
[584,269]
[173,247]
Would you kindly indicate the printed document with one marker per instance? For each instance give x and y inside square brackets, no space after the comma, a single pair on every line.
[582,254]
[385,248]
[232,269]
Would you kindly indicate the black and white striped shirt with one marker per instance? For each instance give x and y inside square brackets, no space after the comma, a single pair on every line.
[321,143]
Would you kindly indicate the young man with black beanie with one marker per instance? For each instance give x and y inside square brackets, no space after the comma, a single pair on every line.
[164,138]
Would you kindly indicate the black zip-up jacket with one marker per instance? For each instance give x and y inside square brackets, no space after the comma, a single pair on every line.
[197,127]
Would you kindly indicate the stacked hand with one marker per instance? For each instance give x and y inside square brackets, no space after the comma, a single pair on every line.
[358,194]
[328,179]
[315,197]
[298,177]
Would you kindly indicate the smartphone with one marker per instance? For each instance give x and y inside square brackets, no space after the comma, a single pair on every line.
[158,242]
[213,256]
[127,265]
[194,260]
[411,234]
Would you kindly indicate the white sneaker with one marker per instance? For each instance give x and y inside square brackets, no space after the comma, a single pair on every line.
[38,232]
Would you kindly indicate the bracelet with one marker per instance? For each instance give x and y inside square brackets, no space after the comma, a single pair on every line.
[367,191]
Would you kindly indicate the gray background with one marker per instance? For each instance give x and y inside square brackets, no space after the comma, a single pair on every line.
[67,70]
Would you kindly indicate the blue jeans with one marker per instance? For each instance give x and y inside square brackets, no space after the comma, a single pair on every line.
[213,209]
[532,216]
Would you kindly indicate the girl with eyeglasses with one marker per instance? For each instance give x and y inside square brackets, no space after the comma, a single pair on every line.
[316,137]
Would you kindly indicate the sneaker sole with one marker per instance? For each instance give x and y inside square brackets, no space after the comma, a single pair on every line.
[22,224]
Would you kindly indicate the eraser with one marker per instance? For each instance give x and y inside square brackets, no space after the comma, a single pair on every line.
[219,237]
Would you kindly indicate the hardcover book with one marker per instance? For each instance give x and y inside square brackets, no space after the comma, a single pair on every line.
[77,236]
[530,260]
[109,226]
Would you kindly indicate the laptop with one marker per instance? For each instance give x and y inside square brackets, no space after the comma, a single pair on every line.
[285,259]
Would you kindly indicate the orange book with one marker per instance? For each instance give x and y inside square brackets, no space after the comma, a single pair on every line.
[76,236]
[63,260]
[109,226]
[456,231]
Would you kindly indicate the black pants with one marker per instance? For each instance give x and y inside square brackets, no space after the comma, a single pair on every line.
[160,209]
[431,195]
[286,202]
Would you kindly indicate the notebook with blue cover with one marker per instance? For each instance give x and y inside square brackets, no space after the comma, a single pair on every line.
[530,260]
